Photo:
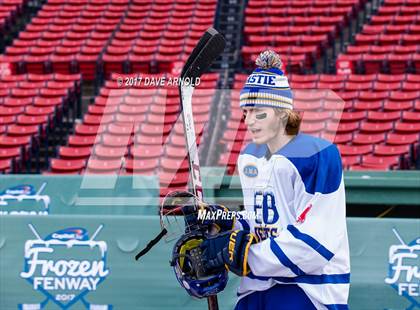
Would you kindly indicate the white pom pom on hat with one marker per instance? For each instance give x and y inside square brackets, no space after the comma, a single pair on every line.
[269,59]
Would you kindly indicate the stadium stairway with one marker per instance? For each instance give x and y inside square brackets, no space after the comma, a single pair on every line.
[14,15]
[229,20]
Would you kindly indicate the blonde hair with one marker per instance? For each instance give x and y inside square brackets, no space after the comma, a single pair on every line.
[293,121]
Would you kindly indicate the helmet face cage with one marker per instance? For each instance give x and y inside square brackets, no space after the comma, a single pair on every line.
[189,271]
[173,214]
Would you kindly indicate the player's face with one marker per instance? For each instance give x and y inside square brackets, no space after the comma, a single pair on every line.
[264,124]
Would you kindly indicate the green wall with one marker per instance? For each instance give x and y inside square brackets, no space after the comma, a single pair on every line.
[150,283]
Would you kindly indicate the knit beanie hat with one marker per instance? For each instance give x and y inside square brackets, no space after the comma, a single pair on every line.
[267,86]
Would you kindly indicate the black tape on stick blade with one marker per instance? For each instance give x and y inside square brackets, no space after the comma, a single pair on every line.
[210,46]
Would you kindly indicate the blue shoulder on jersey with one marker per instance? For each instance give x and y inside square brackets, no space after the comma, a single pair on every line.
[257,150]
[318,162]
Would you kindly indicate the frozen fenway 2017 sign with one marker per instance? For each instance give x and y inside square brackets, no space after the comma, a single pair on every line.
[65,267]
[24,200]
[403,272]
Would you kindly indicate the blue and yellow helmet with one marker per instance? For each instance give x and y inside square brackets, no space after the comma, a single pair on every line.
[189,270]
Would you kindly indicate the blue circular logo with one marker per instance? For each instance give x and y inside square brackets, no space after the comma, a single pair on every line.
[251,171]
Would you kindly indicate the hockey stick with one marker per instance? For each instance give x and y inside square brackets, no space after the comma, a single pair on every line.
[210,46]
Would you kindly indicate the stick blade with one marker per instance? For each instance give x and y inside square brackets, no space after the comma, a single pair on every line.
[210,46]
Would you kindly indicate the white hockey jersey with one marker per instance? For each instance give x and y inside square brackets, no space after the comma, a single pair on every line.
[298,198]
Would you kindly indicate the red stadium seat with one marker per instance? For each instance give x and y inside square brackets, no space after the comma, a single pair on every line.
[68,152]
[383,116]
[397,105]
[360,138]
[9,152]
[379,161]
[411,86]
[399,63]
[365,79]
[22,130]
[309,127]
[402,139]
[391,78]
[350,160]
[5,165]
[372,29]
[373,63]
[67,165]
[99,166]
[385,86]
[342,138]
[171,179]
[148,140]
[116,140]
[412,117]
[6,120]
[143,166]
[381,127]
[316,116]
[353,116]
[11,111]
[81,141]
[342,127]
[331,78]
[107,152]
[97,119]
[390,150]
[88,130]
[170,164]
[146,151]
[352,150]
[13,142]
[367,105]
[403,127]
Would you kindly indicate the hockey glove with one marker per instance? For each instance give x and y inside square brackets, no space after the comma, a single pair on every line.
[229,249]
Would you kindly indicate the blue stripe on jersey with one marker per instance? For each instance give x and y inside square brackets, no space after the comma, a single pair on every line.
[337,307]
[313,243]
[245,225]
[283,258]
[343,278]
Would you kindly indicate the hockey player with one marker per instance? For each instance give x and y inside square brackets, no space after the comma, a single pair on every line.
[293,254]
